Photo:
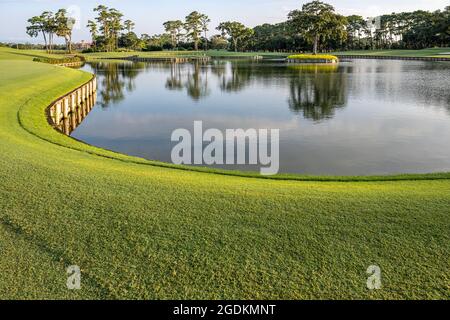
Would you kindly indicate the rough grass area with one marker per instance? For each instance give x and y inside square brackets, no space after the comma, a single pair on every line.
[142,231]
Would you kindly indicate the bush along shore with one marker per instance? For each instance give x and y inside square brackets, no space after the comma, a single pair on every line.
[66,61]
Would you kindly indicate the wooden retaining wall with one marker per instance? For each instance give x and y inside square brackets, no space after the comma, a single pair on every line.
[311,61]
[163,59]
[182,59]
[225,57]
[173,60]
[71,64]
[66,113]
[393,58]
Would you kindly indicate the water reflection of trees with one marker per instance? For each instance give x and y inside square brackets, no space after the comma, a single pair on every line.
[316,91]
[192,76]
[197,81]
[114,79]
[175,80]
[233,77]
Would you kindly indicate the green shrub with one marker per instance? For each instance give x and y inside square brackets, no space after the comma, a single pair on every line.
[313,57]
[74,59]
[153,48]
[124,50]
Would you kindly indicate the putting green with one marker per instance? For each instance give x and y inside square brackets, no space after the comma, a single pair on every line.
[145,231]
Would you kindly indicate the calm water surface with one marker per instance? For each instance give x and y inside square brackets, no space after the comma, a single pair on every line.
[361,117]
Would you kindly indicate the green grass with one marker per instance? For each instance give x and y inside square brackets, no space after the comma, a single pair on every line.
[143,231]
[14,54]
[431,52]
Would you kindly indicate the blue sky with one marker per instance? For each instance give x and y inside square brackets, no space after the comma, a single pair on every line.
[149,15]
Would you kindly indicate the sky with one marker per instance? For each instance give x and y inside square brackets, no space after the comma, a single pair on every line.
[149,15]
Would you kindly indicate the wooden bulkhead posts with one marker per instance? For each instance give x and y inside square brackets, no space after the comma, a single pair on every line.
[66,113]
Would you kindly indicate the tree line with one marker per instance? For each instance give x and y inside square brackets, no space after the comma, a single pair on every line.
[315,27]
[318,25]
[51,25]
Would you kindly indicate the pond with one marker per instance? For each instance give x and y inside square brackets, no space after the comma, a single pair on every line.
[360,117]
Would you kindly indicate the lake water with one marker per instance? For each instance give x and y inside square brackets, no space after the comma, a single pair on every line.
[360,117]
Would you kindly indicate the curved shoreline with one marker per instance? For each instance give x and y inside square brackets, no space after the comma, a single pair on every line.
[63,207]
[102,152]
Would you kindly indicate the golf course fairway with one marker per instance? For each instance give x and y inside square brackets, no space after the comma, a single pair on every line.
[140,230]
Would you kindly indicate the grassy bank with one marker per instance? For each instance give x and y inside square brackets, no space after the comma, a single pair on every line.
[14,54]
[432,52]
[143,231]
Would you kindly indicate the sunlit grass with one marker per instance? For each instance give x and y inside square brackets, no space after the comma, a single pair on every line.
[150,232]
